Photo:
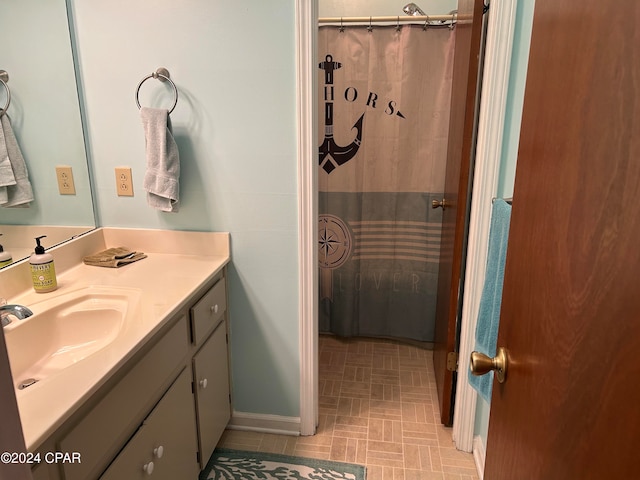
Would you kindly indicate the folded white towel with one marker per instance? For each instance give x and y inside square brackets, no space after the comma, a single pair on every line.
[161,179]
[19,193]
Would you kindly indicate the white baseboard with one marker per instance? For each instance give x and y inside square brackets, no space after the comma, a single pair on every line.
[264,423]
[479,455]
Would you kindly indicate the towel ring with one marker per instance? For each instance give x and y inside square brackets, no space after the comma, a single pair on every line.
[161,74]
[4,78]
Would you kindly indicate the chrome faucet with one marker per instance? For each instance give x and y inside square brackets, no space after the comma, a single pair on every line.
[17,311]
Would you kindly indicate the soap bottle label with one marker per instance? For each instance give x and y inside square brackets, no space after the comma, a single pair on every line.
[43,276]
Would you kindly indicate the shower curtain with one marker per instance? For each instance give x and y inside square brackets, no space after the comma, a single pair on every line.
[384,94]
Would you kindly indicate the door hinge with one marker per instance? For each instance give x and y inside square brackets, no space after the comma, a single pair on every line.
[452,361]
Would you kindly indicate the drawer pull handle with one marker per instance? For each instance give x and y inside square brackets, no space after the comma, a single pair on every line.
[214,308]
[203,383]
[158,451]
[148,467]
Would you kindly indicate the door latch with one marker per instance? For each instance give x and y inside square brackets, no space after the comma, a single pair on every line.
[452,361]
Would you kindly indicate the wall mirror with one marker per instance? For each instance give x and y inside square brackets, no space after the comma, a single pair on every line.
[45,117]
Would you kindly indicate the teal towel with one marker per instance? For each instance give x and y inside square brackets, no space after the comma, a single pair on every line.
[491,299]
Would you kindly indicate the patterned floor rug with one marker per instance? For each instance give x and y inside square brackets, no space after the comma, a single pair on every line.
[228,464]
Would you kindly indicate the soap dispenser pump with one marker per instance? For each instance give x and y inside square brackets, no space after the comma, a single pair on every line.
[43,272]
[5,257]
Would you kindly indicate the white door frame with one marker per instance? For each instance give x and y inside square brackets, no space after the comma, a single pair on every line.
[488,155]
[306,12]
[495,87]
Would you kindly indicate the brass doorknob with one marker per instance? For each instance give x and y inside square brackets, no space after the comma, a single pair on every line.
[438,203]
[481,364]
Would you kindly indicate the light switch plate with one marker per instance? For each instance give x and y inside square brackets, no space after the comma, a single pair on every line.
[124,184]
[64,174]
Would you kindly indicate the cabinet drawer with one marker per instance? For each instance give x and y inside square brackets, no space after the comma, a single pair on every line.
[208,312]
[165,445]
[101,433]
[211,381]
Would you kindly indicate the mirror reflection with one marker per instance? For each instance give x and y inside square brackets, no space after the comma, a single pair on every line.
[44,116]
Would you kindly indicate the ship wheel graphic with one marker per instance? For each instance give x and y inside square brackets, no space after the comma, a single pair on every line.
[335,245]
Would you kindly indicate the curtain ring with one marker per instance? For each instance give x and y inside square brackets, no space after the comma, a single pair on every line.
[370,27]
[426,24]
[398,24]
[4,78]
[341,26]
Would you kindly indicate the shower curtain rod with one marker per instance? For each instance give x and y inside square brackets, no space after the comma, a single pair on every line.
[391,19]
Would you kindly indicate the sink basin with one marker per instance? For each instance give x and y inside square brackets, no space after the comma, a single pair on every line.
[66,329]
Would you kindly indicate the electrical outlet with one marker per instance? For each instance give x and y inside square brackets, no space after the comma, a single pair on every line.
[124,184]
[64,174]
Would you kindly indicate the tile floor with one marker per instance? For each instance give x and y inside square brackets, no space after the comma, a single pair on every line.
[378,407]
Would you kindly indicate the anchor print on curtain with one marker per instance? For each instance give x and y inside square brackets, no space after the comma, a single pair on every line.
[384,97]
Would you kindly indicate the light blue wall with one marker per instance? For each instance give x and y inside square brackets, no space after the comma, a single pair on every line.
[515,98]
[235,125]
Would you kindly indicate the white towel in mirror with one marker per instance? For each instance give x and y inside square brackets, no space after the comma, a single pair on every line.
[16,188]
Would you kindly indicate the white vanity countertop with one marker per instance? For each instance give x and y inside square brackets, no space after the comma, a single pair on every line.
[166,282]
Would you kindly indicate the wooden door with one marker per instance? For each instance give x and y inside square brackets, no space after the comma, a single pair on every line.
[570,406]
[456,193]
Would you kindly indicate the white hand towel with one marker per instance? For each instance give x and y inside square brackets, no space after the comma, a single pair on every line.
[20,193]
[6,172]
[161,179]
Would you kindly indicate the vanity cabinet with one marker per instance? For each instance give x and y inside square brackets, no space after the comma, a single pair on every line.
[164,411]
[211,382]
[210,368]
[100,434]
[164,445]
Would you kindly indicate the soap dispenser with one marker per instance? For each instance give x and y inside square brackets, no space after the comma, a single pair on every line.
[5,257]
[43,272]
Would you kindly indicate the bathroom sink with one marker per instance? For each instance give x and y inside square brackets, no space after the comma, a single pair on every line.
[66,329]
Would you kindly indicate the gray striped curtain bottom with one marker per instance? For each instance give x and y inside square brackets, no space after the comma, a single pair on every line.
[383,135]
[378,256]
